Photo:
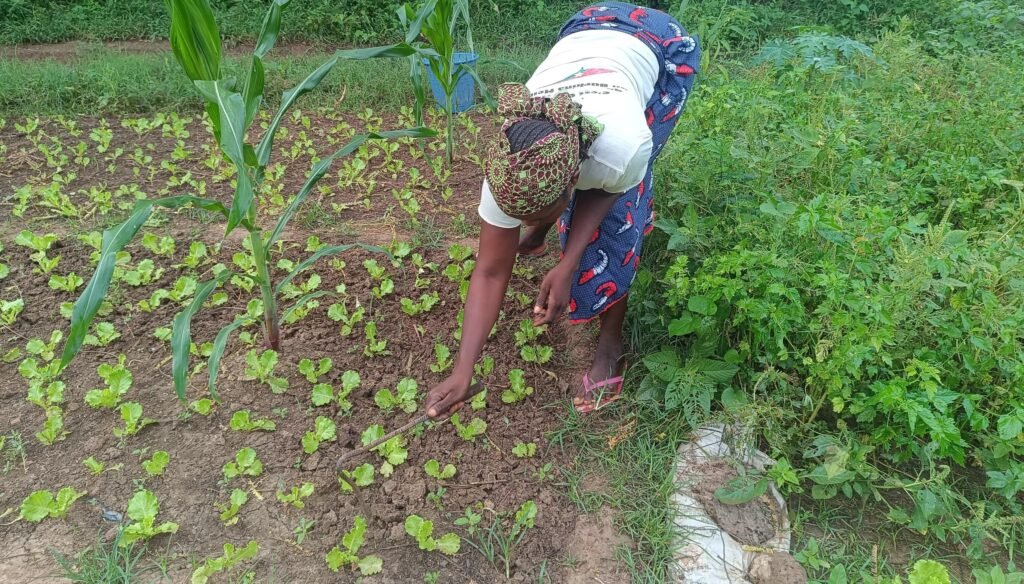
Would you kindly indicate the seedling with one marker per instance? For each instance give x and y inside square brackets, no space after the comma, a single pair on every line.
[314,371]
[103,333]
[360,476]
[517,388]
[119,381]
[422,531]
[229,512]
[404,397]
[425,304]
[499,542]
[436,497]
[42,504]
[39,244]
[296,497]
[442,358]
[242,421]
[157,463]
[530,351]
[433,469]
[324,430]
[338,313]
[131,415]
[232,104]
[9,310]
[245,464]
[202,406]
[545,472]
[525,450]
[95,467]
[68,283]
[302,530]
[374,346]
[347,553]
[470,431]
[393,451]
[231,557]
[161,246]
[260,367]
[142,509]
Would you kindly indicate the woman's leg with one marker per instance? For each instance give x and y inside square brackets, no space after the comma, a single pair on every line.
[610,347]
[533,237]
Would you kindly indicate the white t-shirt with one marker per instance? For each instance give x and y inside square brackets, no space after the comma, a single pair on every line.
[611,75]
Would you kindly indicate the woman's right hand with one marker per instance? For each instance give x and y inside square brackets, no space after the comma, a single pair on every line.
[447,397]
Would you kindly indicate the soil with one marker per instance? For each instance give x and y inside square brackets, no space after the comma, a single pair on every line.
[192,485]
[776,568]
[751,523]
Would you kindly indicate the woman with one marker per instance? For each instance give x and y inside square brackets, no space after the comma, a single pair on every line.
[576,149]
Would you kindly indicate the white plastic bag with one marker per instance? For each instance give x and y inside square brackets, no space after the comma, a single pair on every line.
[709,555]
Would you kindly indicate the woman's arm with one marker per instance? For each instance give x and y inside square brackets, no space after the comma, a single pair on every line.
[487,288]
[553,299]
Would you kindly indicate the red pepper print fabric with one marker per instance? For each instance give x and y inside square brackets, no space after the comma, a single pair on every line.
[610,262]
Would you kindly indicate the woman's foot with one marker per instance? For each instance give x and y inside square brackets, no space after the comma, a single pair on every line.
[602,384]
[531,243]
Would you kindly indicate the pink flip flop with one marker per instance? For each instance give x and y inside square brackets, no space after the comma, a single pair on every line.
[595,398]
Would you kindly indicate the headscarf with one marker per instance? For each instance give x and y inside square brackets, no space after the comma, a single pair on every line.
[532,179]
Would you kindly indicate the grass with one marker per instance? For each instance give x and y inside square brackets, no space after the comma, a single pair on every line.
[105,81]
[105,563]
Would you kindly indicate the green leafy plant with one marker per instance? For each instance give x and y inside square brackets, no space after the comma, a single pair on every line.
[260,367]
[529,349]
[470,431]
[442,358]
[156,464]
[131,415]
[393,451]
[314,371]
[339,313]
[232,107]
[324,430]
[347,553]
[202,406]
[9,310]
[231,557]
[374,345]
[500,540]
[229,512]
[360,476]
[95,467]
[119,381]
[423,306]
[245,464]
[687,387]
[242,421]
[404,397]
[517,388]
[296,496]
[434,469]
[142,510]
[524,450]
[422,531]
[42,504]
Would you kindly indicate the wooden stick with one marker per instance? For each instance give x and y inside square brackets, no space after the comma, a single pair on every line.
[473,390]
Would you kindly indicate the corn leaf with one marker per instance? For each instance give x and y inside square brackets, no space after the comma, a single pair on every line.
[114,240]
[219,344]
[195,39]
[252,94]
[232,109]
[181,332]
[271,28]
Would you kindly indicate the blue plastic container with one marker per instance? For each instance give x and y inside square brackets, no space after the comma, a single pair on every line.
[465,88]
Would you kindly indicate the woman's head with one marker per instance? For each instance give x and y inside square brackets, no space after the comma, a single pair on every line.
[533,164]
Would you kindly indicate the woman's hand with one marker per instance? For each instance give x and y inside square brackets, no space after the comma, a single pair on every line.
[553,299]
[447,397]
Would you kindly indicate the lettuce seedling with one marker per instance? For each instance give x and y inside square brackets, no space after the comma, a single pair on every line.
[229,512]
[242,421]
[347,553]
[339,313]
[296,496]
[422,531]
[393,451]
[525,450]
[260,367]
[433,469]
[245,464]
[374,346]
[42,504]
[202,406]
[119,381]
[360,476]
[324,429]
[142,509]
[530,351]
[442,361]
[131,414]
[517,388]
[426,304]
[9,310]
[404,397]
[314,371]
[470,431]
[157,463]
[68,283]
[95,467]
[231,556]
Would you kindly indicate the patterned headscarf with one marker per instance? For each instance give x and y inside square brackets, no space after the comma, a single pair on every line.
[532,179]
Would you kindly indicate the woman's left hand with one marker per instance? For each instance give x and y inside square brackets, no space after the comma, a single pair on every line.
[553,299]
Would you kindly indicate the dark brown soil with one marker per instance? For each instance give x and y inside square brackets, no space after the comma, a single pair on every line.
[751,523]
[192,484]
